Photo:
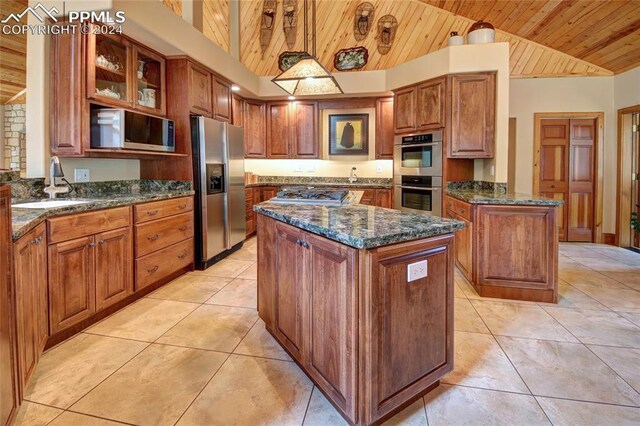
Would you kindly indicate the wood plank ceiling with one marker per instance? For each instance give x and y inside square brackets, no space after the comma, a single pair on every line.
[13,55]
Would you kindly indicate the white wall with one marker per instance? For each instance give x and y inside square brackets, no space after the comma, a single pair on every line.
[580,94]
[320,168]
[627,89]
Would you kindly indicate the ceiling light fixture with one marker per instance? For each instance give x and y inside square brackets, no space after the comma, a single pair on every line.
[292,98]
[235,87]
[308,76]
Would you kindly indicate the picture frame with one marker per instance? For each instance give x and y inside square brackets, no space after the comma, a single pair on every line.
[348,134]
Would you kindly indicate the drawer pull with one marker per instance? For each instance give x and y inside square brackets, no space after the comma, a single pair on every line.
[153,237]
[461,210]
[101,242]
[183,255]
[182,207]
[152,270]
[152,212]
[182,228]
[92,245]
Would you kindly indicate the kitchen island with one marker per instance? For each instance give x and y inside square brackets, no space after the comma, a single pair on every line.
[336,291]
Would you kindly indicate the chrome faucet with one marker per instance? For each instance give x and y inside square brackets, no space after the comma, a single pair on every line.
[55,170]
[353,177]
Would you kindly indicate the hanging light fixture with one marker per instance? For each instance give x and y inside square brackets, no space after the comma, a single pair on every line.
[308,76]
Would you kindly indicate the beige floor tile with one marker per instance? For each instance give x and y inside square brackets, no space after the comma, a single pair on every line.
[624,361]
[567,370]
[155,388]
[634,317]
[480,362]
[32,414]
[572,297]
[413,415]
[617,299]
[227,268]
[252,391]
[458,405]
[191,287]
[321,413]
[603,264]
[259,342]
[628,278]
[247,252]
[598,327]
[218,328]
[74,419]
[239,292]
[146,319]
[466,318]
[251,273]
[571,413]
[587,278]
[457,291]
[70,370]
[518,320]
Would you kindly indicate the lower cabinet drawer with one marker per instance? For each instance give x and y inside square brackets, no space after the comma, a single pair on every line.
[152,236]
[157,265]
[158,209]
[66,228]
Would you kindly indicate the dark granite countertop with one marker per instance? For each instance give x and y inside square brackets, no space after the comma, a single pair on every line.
[360,226]
[488,196]
[23,220]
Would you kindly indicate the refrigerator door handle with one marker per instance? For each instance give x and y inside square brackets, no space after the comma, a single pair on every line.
[225,156]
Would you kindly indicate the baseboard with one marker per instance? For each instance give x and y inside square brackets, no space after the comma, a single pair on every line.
[609,239]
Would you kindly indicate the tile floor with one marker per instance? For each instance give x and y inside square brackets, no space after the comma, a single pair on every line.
[194,352]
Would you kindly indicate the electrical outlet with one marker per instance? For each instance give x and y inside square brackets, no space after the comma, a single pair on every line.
[492,172]
[417,270]
[311,168]
[298,169]
[81,175]
[379,169]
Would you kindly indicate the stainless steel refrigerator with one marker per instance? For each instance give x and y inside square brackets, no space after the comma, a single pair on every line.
[218,174]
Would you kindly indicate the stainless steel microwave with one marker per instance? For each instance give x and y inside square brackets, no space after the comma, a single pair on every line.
[418,154]
[116,128]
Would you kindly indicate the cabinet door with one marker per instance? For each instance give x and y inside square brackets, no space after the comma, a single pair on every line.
[430,105]
[71,282]
[464,246]
[384,128]
[404,110]
[114,267]
[368,197]
[383,198]
[254,129]
[199,90]
[40,283]
[109,76]
[150,71]
[250,214]
[278,130]
[473,108]
[305,141]
[289,289]
[237,111]
[221,100]
[26,306]
[330,269]
[268,192]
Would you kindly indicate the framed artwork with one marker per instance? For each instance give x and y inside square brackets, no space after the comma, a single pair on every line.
[348,134]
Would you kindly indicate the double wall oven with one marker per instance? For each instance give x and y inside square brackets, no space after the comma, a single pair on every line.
[417,163]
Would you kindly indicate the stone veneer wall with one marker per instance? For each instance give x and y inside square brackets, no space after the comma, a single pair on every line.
[15,154]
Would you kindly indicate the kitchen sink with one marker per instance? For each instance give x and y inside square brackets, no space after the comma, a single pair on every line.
[49,204]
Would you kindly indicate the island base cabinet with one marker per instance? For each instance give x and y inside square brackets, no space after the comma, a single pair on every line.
[369,339]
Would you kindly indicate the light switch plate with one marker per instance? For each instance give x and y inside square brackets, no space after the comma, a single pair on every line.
[81,175]
[379,169]
[417,270]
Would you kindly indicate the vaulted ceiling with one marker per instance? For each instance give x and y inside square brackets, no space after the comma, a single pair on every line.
[547,37]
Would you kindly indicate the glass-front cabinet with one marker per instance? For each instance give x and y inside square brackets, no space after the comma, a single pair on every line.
[123,74]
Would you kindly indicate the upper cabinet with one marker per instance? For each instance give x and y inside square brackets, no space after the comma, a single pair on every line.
[305,139]
[255,144]
[200,90]
[237,111]
[221,99]
[279,130]
[384,128]
[150,95]
[404,114]
[473,106]
[420,107]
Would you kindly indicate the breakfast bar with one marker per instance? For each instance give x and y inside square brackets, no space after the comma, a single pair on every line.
[361,297]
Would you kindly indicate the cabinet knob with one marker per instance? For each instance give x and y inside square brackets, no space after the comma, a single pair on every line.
[183,255]
[153,237]
[152,270]
[101,242]
[92,245]
[305,244]
[152,212]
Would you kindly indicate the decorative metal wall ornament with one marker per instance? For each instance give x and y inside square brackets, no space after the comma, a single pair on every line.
[353,58]
[387,27]
[288,59]
[363,20]
[290,21]
[267,22]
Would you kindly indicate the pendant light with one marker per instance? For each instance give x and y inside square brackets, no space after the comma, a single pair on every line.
[308,76]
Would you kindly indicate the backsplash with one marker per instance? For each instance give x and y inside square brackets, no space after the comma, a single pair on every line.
[479,185]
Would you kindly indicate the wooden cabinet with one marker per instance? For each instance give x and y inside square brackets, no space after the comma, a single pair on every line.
[305,138]
[113,267]
[200,90]
[250,215]
[150,77]
[9,395]
[368,197]
[237,111]
[404,110]
[384,198]
[109,70]
[430,104]
[268,192]
[222,102]
[255,144]
[473,104]
[458,210]
[335,309]
[279,130]
[31,299]
[384,128]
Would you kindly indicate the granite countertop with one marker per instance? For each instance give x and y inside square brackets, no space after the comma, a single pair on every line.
[321,184]
[358,225]
[488,196]
[23,220]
